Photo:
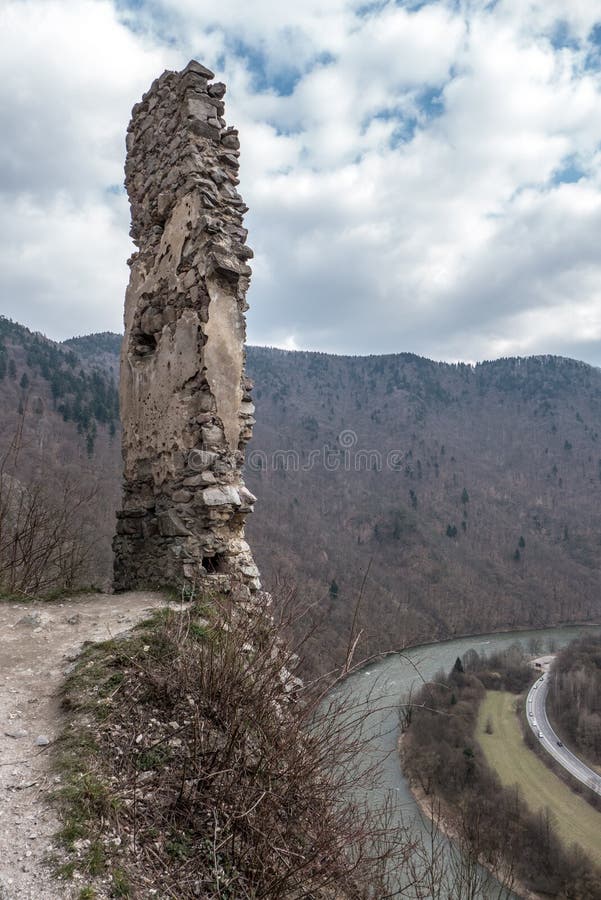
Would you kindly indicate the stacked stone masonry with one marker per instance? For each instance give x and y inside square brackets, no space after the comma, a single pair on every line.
[186,407]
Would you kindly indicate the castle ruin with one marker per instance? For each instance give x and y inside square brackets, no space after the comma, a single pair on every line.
[186,407]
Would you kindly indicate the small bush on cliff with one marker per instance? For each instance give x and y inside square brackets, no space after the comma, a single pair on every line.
[201,768]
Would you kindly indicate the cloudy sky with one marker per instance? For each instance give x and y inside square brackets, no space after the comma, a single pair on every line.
[421,176]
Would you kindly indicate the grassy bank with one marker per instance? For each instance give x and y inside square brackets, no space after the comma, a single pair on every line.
[514,763]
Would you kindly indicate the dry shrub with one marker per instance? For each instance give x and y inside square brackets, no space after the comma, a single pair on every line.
[227,778]
[44,546]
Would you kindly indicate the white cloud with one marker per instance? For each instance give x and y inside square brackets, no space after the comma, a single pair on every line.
[547,16]
[63,264]
[402,166]
[69,74]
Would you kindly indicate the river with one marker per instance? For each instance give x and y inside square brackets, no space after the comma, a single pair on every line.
[381,686]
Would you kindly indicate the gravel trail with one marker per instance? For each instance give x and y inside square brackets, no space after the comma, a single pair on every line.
[38,642]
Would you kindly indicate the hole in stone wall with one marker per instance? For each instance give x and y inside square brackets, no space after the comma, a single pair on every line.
[143,344]
[214,564]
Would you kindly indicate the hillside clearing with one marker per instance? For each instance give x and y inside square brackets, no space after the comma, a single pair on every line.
[576,821]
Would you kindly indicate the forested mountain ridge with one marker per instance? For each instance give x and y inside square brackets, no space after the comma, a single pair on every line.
[101,349]
[471,492]
[59,453]
[467,497]
[45,371]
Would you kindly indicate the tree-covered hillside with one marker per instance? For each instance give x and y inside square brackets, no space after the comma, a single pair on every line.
[470,493]
[84,395]
[59,463]
[463,498]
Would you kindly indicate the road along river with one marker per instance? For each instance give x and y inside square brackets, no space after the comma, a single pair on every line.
[543,730]
[381,686]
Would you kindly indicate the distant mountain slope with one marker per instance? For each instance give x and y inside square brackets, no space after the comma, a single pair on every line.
[45,372]
[101,349]
[59,427]
[94,344]
[471,493]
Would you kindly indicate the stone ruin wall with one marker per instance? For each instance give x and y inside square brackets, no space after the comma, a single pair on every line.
[185,402]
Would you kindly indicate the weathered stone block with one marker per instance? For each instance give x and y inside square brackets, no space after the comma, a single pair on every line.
[246,498]
[221,496]
[129,526]
[181,496]
[212,435]
[164,202]
[217,90]
[198,69]
[201,128]
[170,524]
[199,460]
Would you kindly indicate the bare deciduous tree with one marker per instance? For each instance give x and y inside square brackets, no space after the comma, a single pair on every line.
[43,543]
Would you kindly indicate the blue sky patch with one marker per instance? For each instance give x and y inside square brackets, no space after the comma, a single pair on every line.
[562,38]
[595,35]
[415,5]
[162,22]
[282,80]
[593,57]
[430,102]
[569,173]
[404,132]
[370,7]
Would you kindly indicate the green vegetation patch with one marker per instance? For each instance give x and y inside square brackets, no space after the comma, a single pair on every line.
[505,751]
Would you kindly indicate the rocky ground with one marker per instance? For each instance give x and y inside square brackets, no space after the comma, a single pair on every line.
[38,642]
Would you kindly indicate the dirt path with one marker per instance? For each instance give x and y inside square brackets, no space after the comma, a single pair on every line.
[37,645]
